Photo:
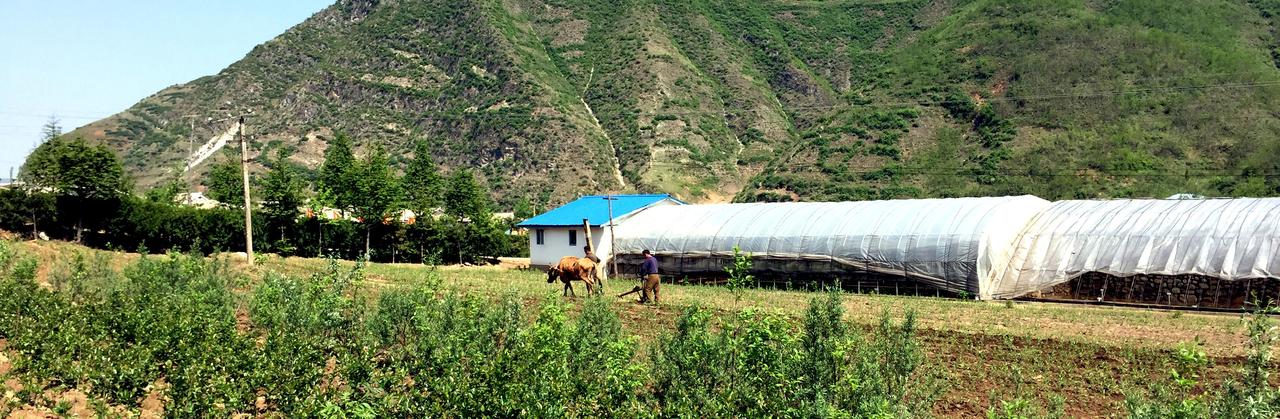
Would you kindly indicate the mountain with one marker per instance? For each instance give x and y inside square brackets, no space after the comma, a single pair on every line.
[752,100]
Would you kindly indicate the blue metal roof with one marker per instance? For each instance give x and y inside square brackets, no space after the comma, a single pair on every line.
[595,209]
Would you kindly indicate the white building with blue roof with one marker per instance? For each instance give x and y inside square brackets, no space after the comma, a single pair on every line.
[559,232]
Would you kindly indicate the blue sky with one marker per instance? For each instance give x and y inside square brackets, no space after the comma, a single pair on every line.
[84,60]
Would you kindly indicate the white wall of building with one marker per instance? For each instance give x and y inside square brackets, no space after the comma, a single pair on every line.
[556,245]
[556,241]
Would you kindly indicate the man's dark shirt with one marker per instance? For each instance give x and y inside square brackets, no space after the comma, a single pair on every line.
[650,266]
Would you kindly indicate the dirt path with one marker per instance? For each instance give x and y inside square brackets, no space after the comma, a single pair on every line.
[210,147]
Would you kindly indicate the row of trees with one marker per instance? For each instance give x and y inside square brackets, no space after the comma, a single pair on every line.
[77,191]
[454,215]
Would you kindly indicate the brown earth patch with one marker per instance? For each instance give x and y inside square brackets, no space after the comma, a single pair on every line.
[933,13]
[999,88]
[243,323]
[569,32]
[153,404]
[6,364]
[513,263]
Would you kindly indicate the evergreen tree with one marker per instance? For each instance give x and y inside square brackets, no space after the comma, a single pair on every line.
[83,177]
[464,198]
[226,183]
[281,200]
[377,192]
[423,184]
[338,173]
[51,129]
[469,222]
[317,204]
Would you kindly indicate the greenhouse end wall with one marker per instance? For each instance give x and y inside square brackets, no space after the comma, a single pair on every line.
[1224,239]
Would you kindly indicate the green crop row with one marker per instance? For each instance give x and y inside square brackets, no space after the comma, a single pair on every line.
[326,346]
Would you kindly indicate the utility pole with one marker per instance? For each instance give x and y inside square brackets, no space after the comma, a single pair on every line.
[586,228]
[248,210]
[612,260]
[191,135]
[191,141]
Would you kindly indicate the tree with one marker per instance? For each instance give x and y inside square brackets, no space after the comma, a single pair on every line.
[377,191]
[225,183]
[167,191]
[469,223]
[317,206]
[83,177]
[22,207]
[338,172]
[281,199]
[465,198]
[423,184]
[51,129]
[523,210]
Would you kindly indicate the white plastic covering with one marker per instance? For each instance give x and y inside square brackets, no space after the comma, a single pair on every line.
[1224,238]
[954,244]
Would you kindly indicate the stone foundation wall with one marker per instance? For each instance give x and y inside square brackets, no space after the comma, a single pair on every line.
[1173,290]
[790,275]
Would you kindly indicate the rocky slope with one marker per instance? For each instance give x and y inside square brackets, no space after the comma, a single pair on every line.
[714,100]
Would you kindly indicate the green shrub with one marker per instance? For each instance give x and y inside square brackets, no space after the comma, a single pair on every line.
[319,346]
[754,365]
[739,272]
[1249,395]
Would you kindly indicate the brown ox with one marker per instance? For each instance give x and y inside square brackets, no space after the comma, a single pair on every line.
[573,268]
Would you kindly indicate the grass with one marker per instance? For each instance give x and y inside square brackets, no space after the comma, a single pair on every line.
[1111,326]
[1089,355]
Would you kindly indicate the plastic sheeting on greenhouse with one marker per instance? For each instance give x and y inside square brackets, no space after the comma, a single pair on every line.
[1227,239]
[956,244]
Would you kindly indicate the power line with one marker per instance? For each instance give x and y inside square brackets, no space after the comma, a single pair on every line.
[56,115]
[57,110]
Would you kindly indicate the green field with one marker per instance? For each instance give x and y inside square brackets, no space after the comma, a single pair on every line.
[980,354]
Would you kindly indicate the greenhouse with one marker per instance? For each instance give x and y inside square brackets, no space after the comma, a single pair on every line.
[928,246]
[1205,252]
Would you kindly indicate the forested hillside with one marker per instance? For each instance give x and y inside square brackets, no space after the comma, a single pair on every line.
[714,100]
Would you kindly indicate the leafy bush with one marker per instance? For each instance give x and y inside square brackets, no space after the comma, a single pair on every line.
[753,365]
[320,346]
[739,272]
[1250,395]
